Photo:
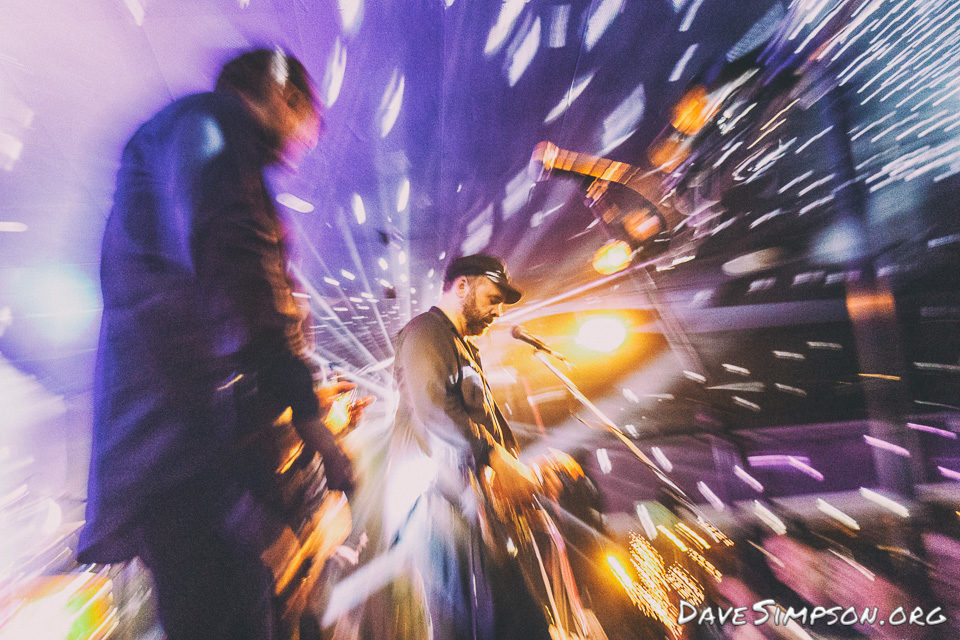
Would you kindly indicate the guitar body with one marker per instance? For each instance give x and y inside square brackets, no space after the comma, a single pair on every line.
[290,479]
[529,535]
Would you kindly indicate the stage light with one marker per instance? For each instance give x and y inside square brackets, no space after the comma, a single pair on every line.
[291,201]
[335,71]
[603,334]
[403,195]
[390,105]
[524,54]
[351,12]
[618,570]
[359,211]
[600,20]
[612,257]
[624,120]
[693,111]
[578,87]
[62,302]
[509,12]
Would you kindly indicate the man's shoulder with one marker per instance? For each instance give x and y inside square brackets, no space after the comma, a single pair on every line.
[431,323]
[225,110]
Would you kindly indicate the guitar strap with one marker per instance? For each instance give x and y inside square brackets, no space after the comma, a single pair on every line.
[501,431]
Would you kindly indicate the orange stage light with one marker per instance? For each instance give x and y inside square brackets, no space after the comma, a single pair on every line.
[612,257]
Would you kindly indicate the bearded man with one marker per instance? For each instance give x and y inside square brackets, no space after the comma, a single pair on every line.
[449,436]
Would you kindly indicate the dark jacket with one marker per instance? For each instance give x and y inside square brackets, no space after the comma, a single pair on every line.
[445,401]
[195,292]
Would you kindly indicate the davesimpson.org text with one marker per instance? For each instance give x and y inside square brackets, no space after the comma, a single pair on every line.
[768,612]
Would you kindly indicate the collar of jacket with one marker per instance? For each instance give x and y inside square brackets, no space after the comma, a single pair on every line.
[437,311]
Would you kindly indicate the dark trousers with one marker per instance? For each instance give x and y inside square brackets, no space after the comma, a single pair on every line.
[202,543]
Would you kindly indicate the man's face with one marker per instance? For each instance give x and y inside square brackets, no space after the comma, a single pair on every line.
[292,122]
[482,305]
[301,129]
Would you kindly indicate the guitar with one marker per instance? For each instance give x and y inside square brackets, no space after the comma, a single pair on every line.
[317,520]
[528,533]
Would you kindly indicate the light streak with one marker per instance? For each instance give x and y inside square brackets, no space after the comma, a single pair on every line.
[836,514]
[885,502]
[752,482]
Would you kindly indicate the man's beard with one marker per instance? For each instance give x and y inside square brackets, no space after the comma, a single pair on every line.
[475,323]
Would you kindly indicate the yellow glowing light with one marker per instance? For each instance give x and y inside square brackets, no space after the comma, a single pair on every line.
[677,541]
[650,593]
[603,334]
[705,564]
[618,569]
[686,586]
[692,535]
[693,111]
[612,257]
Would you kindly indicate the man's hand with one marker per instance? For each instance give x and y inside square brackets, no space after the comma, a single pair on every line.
[512,480]
[336,463]
[342,412]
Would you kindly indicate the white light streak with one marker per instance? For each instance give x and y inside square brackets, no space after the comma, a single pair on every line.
[524,54]
[885,502]
[403,195]
[690,15]
[836,514]
[346,274]
[812,140]
[291,201]
[10,147]
[622,122]
[928,429]
[646,521]
[603,459]
[732,368]
[350,13]
[710,496]
[682,63]
[359,211]
[391,102]
[509,12]
[746,404]
[949,473]
[576,89]
[136,9]
[560,18]
[752,482]
[600,20]
[886,446]
[662,459]
[794,391]
[769,518]
[788,355]
[334,74]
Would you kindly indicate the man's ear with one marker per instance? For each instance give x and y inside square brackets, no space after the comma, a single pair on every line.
[462,286]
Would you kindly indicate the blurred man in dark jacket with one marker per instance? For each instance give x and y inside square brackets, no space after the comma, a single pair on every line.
[198,304]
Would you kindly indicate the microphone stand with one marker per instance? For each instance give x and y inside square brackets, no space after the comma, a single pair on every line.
[611,426]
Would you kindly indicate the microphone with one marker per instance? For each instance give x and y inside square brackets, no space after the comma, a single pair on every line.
[521,334]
